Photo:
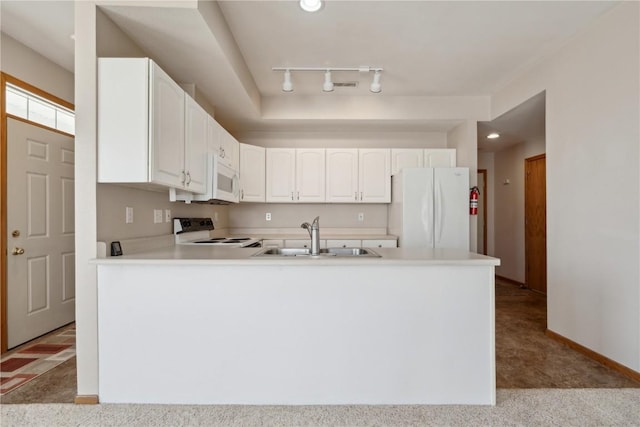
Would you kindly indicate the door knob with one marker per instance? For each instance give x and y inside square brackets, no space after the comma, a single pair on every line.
[17,251]
[15,233]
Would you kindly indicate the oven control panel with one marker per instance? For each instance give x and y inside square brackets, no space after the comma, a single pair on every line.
[185,225]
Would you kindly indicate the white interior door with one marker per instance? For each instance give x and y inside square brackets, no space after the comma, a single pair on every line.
[40,224]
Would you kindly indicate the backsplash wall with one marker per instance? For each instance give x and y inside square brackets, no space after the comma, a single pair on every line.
[113,199]
[285,215]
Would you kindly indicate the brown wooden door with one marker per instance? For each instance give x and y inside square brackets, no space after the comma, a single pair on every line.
[535,206]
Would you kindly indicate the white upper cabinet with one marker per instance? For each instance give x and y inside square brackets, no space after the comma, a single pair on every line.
[418,158]
[440,158]
[359,175]
[224,145]
[342,175]
[281,174]
[252,173]
[196,124]
[310,175]
[141,127]
[374,169]
[167,130]
[295,175]
[406,158]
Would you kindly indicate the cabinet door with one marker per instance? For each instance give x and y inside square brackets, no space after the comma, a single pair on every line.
[310,181]
[342,175]
[379,243]
[167,130]
[281,174]
[195,149]
[406,158]
[252,173]
[343,243]
[374,175]
[229,150]
[440,158]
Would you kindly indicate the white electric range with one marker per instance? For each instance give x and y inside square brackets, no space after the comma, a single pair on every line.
[197,231]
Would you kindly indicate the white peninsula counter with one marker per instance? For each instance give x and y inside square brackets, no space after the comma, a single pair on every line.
[210,325]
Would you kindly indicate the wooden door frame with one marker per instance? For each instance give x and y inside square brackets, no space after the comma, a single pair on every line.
[526,258]
[483,191]
[4,79]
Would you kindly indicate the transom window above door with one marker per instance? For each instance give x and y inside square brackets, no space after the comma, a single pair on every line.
[29,106]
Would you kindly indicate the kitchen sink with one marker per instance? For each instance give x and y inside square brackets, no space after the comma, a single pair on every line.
[324,252]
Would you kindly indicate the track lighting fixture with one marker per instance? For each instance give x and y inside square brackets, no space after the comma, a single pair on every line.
[311,5]
[287,85]
[376,87]
[328,85]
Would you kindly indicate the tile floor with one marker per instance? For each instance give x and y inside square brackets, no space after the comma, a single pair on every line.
[525,356]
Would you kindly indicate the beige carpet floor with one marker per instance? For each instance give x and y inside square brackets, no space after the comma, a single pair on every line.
[515,407]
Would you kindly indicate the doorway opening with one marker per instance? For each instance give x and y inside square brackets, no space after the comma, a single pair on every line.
[27,107]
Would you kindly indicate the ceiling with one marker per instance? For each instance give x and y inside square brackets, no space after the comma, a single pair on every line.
[426,48]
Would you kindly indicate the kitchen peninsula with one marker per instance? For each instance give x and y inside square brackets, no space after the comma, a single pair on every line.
[211,325]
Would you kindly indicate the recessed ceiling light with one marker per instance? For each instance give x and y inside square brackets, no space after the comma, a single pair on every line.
[493,135]
[311,5]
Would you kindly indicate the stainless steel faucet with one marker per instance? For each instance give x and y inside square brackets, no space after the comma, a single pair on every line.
[314,233]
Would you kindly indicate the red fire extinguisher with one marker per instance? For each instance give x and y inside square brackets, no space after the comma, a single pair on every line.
[473,201]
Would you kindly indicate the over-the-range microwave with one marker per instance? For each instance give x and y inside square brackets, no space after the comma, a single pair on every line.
[222,185]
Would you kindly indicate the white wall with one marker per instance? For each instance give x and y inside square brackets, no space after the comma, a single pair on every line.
[464,139]
[486,161]
[29,66]
[509,207]
[593,202]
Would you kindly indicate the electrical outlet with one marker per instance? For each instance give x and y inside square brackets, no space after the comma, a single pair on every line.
[215,217]
[361,216]
[167,215]
[157,216]
[268,216]
[128,215]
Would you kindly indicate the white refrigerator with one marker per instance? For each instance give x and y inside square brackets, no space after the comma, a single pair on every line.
[430,208]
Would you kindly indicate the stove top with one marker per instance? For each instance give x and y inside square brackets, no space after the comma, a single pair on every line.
[196,231]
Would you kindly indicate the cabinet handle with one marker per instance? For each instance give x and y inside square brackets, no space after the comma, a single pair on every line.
[361,196]
[292,195]
[242,194]
[356,196]
[188,178]
[183,177]
[298,195]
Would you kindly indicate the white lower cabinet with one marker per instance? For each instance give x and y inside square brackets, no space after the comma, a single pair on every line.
[342,243]
[379,243]
[272,243]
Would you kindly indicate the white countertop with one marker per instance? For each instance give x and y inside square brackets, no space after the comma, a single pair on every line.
[215,255]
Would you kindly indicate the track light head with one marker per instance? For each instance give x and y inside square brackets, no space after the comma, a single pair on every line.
[376,87]
[287,85]
[311,5]
[327,86]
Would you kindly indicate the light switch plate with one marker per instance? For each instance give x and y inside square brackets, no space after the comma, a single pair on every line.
[361,216]
[157,216]
[128,212]
[167,215]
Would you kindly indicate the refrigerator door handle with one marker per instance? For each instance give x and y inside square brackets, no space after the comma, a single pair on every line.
[427,217]
[438,212]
